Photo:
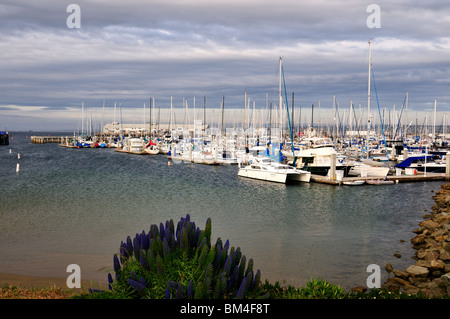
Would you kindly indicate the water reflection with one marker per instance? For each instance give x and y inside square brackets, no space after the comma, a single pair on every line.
[75,206]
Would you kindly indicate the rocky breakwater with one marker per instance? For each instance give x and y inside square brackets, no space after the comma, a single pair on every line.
[430,274]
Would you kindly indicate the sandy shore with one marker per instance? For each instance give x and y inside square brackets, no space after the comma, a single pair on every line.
[43,282]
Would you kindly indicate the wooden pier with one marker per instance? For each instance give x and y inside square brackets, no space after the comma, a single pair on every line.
[47,139]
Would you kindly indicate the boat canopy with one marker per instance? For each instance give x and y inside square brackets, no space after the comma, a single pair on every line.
[407,162]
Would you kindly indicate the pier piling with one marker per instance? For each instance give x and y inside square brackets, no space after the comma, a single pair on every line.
[447,166]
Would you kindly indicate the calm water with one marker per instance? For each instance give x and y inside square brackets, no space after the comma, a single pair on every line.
[75,206]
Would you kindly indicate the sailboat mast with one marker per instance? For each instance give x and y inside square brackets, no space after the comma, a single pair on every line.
[368,99]
[82,118]
[280,102]
[223,107]
[204,119]
[434,121]
[150,106]
[292,110]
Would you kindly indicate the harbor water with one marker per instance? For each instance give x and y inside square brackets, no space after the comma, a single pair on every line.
[75,206]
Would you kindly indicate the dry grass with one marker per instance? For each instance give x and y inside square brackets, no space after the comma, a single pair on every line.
[13,292]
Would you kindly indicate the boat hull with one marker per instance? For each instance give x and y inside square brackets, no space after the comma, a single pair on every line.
[368,171]
[323,170]
[273,176]
[262,175]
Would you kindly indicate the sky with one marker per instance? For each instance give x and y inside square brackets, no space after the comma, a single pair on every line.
[126,52]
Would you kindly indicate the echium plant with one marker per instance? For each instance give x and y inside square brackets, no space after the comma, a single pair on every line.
[181,263]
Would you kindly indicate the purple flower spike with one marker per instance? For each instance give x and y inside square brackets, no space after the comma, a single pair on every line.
[143,260]
[179,294]
[110,280]
[166,248]
[241,291]
[136,285]
[116,263]
[190,290]
[162,232]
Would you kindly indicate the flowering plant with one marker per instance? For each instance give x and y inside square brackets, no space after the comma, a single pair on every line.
[181,263]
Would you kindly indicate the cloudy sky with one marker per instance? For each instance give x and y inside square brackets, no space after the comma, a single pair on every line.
[128,51]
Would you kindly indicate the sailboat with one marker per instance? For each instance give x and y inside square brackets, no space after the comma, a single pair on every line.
[151,148]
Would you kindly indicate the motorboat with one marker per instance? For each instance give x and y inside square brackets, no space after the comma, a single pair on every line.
[379,182]
[424,163]
[354,183]
[318,160]
[133,146]
[369,168]
[267,169]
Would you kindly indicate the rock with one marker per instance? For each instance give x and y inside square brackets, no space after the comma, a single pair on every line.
[359,289]
[429,224]
[445,280]
[402,282]
[428,254]
[443,218]
[391,285]
[397,284]
[444,255]
[436,265]
[431,265]
[417,271]
[447,268]
[440,235]
[418,282]
[446,246]
[418,240]
[400,274]
[431,272]
[389,268]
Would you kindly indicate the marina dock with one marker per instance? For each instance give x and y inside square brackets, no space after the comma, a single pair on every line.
[66,141]
[420,177]
[47,139]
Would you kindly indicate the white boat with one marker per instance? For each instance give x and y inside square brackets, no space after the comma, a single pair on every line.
[264,168]
[318,160]
[379,182]
[354,183]
[423,163]
[133,146]
[366,170]
[151,148]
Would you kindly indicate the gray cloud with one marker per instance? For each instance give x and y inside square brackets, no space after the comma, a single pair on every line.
[130,51]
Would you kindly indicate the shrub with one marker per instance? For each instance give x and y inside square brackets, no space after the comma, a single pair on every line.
[314,289]
[169,262]
[321,289]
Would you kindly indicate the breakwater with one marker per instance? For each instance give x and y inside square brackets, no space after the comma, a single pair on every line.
[430,274]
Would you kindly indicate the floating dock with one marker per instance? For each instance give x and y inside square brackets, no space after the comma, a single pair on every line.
[420,177]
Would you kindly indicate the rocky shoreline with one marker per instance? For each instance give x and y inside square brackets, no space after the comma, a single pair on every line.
[430,275]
